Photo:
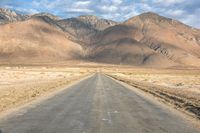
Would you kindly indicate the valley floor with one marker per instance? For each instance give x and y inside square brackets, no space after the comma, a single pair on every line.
[97,104]
[21,85]
[179,88]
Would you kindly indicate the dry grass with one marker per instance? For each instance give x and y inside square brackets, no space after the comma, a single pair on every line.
[19,85]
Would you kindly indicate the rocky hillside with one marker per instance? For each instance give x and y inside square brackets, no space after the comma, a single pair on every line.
[96,23]
[84,28]
[36,41]
[163,42]
[144,40]
[172,39]
[51,16]
[7,16]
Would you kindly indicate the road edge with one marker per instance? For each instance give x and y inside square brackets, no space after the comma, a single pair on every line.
[22,108]
[190,120]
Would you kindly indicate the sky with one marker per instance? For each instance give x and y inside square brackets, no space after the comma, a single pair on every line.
[186,11]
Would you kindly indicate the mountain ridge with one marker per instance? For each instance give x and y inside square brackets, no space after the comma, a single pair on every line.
[7,15]
[144,40]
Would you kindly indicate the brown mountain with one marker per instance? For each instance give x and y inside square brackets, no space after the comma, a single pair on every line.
[36,40]
[173,39]
[43,14]
[161,42]
[96,23]
[144,40]
[84,28]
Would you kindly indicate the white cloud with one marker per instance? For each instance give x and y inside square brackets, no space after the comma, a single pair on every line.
[175,13]
[168,2]
[111,16]
[8,6]
[29,11]
[79,7]
[108,9]
[82,3]
[116,2]
[83,10]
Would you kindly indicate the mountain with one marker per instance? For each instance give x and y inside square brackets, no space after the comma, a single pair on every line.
[97,23]
[173,39]
[7,16]
[36,40]
[83,28]
[145,40]
[161,42]
[51,16]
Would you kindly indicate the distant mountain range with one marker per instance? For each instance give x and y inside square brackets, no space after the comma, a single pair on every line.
[145,40]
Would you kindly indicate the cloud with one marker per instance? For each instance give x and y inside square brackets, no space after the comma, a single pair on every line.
[82,3]
[186,11]
[111,16]
[116,2]
[168,2]
[176,13]
[79,10]
[29,11]
[108,9]
[79,7]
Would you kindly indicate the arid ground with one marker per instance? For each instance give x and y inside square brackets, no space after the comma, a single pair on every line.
[20,85]
[95,74]
[99,101]
[177,87]
[180,88]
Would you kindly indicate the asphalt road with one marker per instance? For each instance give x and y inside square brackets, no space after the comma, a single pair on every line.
[96,105]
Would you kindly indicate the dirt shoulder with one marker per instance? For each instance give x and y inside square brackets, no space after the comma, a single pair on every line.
[187,101]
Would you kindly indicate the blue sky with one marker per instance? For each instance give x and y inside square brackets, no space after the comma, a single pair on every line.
[187,11]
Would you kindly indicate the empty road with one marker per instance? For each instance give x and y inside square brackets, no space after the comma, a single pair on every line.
[97,104]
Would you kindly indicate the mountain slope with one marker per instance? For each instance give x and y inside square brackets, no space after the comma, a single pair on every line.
[127,51]
[96,23]
[84,28]
[35,40]
[51,16]
[78,31]
[7,16]
[168,39]
[144,40]
[171,38]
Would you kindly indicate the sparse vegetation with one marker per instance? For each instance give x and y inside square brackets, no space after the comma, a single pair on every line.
[22,85]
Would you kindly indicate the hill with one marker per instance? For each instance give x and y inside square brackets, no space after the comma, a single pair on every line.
[145,40]
[36,40]
[7,16]
[162,42]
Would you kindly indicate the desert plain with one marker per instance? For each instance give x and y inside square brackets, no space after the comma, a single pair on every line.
[88,74]
[178,88]
[20,85]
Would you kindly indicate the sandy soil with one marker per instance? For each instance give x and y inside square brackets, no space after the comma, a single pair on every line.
[189,83]
[19,85]
[180,88]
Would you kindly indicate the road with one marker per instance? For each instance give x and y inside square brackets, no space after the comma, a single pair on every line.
[97,104]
